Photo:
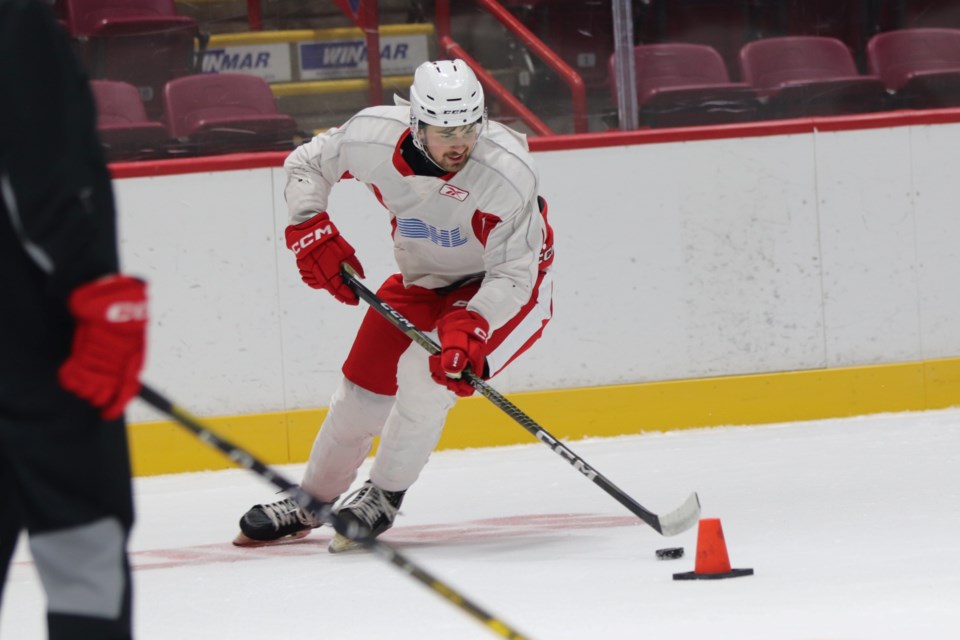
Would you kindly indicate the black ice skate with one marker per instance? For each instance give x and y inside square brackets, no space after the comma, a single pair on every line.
[372,508]
[281,521]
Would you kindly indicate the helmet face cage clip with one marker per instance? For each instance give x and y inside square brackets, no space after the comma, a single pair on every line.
[445,93]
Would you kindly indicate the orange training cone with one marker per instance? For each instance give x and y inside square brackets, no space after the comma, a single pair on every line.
[712,560]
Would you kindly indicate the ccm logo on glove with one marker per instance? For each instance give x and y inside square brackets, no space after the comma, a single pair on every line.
[315,236]
[127,312]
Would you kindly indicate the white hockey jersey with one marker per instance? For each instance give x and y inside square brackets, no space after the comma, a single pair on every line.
[482,220]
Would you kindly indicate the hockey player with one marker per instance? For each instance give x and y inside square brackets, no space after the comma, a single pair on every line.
[71,336]
[473,247]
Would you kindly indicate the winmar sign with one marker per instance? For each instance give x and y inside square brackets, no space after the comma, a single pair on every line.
[269,61]
[348,58]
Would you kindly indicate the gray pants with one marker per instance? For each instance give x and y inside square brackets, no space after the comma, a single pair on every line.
[65,479]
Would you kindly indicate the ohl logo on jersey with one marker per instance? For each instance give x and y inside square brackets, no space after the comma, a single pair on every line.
[414,228]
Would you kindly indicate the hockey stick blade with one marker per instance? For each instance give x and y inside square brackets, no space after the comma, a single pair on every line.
[681,518]
[677,521]
[325,512]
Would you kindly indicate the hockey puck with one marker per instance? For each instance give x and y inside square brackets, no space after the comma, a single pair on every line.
[670,553]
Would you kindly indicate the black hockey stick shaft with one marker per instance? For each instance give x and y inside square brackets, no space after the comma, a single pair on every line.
[669,524]
[325,512]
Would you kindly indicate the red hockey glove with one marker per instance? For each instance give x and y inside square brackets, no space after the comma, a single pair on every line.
[108,344]
[320,249]
[463,341]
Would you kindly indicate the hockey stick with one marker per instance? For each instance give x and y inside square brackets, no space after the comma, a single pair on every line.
[677,521]
[325,512]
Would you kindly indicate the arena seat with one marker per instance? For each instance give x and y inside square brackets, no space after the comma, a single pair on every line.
[801,76]
[921,66]
[122,124]
[720,24]
[682,84]
[142,42]
[224,113]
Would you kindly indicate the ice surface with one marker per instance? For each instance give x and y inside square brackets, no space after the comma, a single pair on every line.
[852,527]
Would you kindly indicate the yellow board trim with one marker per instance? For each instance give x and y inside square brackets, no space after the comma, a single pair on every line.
[313,35]
[570,414]
[287,89]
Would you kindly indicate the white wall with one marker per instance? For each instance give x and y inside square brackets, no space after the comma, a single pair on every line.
[674,260]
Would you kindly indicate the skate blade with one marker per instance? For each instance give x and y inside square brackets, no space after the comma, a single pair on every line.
[243,541]
[342,544]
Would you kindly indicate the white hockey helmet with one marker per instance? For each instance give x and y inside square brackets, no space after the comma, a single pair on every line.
[445,93]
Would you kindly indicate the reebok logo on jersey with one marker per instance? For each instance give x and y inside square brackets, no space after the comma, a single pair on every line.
[413,228]
[454,192]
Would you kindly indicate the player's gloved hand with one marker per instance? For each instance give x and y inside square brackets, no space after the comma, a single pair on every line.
[320,249]
[108,344]
[463,341]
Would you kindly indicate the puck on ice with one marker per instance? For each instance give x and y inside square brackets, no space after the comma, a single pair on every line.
[670,553]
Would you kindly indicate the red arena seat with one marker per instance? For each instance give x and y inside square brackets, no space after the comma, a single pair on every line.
[800,76]
[922,66]
[143,42]
[687,84]
[125,131]
[226,112]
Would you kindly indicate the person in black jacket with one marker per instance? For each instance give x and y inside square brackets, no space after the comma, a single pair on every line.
[72,336]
